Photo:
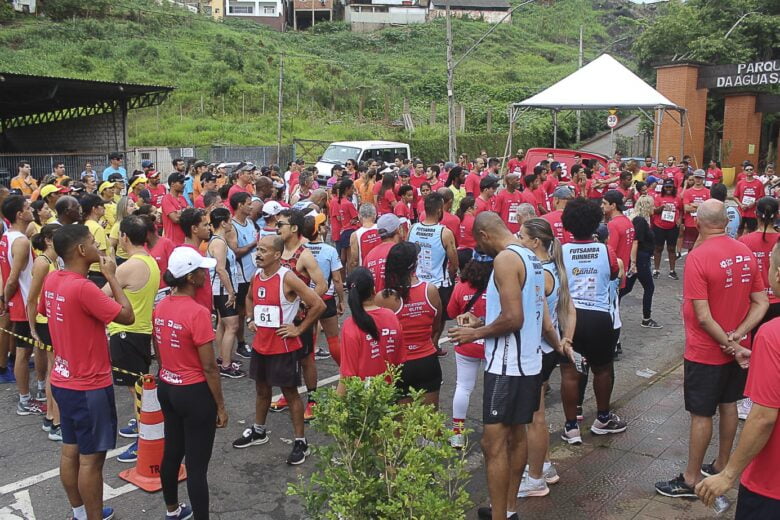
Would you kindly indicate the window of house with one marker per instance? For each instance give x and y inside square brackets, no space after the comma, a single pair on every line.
[241,9]
[269,10]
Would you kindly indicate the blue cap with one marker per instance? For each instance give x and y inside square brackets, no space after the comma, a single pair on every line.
[651,179]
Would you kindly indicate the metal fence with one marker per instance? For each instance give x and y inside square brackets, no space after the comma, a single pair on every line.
[43,164]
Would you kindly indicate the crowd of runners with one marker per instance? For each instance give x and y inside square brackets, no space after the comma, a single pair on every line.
[219,273]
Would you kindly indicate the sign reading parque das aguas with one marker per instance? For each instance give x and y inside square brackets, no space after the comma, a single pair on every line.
[756,74]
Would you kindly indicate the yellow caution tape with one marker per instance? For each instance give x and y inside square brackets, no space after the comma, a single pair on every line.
[48,348]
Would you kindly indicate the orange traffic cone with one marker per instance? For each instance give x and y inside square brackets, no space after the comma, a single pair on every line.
[151,442]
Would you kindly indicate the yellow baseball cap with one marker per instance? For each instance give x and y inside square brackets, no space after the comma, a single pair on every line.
[105,185]
[138,180]
[51,188]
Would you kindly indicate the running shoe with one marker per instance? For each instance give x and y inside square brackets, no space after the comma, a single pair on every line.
[673,275]
[30,407]
[231,372]
[8,376]
[298,454]
[279,405]
[550,473]
[612,425]
[308,412]
[675,488]
[250,437]
[243,350]
[55,434]
[656,274]
[108,514]
[709,470]
[572,436]
[321,353]
[743,408]
[47,424]
[458,441]
[580,416]
[185,513]
[618,348]
[130,431]
[40,395]
[531,487]
[130,454]
[650,323]
[486,513]
[235,364]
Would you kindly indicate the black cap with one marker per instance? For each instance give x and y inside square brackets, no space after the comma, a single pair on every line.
[198,164]
[488,182]
[176,177]
[616,198]
[337,167]
[114,155]
[116,177]
[208,177]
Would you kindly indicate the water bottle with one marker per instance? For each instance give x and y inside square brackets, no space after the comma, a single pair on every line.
[721,504]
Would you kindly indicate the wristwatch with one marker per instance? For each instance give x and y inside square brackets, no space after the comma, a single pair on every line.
[248,320]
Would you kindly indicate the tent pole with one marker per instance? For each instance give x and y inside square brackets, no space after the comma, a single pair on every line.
[660,117]
[508,147]
[682,134]
[555,128]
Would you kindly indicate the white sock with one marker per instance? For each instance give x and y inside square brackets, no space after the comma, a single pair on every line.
[24,398]
[509,514]
[42,385]
[174,513]
[532,480]
[259,428]
[79,513]
[546,466]
[301,439]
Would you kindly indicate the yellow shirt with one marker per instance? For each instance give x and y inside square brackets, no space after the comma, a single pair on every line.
[100,237]
[114,233]
[142,300]
[110,215]
[26,186]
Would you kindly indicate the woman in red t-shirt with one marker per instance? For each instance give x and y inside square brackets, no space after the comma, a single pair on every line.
[665,222]
[384,195]
[418,307]
[468,296]
[371,337]
[762,242]
[348,217]
[466,242]
[189,390]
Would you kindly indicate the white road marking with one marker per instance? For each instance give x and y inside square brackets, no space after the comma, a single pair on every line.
[21,507]
[302,389]
[109,492]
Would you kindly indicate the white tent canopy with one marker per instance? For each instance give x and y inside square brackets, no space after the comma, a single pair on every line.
[603,83]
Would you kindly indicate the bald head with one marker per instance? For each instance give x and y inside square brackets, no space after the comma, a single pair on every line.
[489,222]
[274,242]
[319,197]
[711,215]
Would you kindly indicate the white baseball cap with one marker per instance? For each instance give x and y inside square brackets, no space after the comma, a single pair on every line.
[272,208]
[184,260]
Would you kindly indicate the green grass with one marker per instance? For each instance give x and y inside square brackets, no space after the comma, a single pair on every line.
[327,70]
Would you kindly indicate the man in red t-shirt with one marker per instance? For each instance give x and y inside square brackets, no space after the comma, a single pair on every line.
[244,181]
[692,198]
[155,188]
[561,196]
[472,182]
[621,230]
[172,205]
[486,201]
[517,162]
[508,200]
[723,300]
[78,313]
[648,167]
[196,229]
[747,193]
[388,227]
[758,450]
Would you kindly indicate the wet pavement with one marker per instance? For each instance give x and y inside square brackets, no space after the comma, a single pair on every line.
[606,477]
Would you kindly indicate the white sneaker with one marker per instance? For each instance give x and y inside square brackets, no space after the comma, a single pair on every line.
[743,408]
[572,436]
[531,487]
[548,471]
[458,441]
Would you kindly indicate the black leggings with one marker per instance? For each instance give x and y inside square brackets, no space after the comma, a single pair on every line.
[644,274]
[190,414]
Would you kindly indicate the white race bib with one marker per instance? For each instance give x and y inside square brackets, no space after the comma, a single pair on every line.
[659,188]
[668,215]
[708,184]
[747,200]
[513,214]
[268,316]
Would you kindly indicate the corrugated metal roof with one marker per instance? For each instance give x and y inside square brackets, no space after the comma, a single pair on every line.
[472,4]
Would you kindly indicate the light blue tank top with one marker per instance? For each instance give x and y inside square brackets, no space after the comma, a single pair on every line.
[432,258]
[246,264]
[518,353]
[216,283]
[587,266]
[552,301]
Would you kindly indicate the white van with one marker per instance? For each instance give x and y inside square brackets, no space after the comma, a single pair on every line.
[338,153]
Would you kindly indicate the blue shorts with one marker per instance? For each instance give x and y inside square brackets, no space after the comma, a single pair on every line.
[88,418]
[344,238]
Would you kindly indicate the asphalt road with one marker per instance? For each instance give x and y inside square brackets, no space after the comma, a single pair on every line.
[251,483]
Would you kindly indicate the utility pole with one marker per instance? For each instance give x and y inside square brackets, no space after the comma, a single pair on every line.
[279,113]
[452,142]
[579,112]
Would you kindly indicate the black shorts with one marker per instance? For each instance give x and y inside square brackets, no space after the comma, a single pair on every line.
[130,351]
[23,329]
[445,293]
[549,362]
[752,506]
[97,278]
[344,238]
[707,386]
[221,308]
[751,223]
[594,336]
[282,370]
[666,237]
[307,340]
[510,399]
[243,290]
[330,309]
[421,374]
[43,333]
[88,418]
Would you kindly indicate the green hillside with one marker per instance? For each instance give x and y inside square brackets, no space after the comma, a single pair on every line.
[227,73]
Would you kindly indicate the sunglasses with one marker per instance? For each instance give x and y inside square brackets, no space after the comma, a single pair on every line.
[280,225]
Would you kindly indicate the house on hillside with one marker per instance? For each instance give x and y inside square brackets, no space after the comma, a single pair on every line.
[272,13]
[370,15]
[306,13]
[491,11]
[23,6]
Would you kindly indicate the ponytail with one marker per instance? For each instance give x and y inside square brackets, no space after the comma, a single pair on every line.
[766,210]
[564,297]
[360,283]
